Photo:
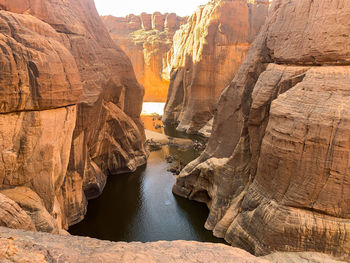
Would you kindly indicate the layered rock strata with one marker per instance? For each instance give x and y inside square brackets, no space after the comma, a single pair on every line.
[207,52]
[147,39]
[275,173]
[69,109]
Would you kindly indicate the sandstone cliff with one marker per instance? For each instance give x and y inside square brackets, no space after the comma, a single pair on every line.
[275,173]
[147,39]
[70,106]
[207,52]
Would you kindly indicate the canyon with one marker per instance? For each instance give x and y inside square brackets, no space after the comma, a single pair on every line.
[207,52]
[70,112]
[275,173]
[147,40]
[267,83]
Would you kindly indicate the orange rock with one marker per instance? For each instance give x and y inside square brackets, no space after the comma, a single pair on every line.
[71,103]
[147,45]
[27,81]
[275,174]
[206,54]
[22,246]
[13,216]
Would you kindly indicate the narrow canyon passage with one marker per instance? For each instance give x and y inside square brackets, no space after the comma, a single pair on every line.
[140,206]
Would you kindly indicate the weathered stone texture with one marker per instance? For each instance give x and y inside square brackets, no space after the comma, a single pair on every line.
[206,54]
[20,246]
[147,39]
[275,174]
[70,107]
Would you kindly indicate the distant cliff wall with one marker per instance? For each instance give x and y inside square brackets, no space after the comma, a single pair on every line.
[207,52]
[147,39]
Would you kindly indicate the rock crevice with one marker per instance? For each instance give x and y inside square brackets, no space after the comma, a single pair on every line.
[147,40]
[207,52]
[69,109]
[276,166]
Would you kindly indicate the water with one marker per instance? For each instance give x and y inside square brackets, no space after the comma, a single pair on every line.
[140,206]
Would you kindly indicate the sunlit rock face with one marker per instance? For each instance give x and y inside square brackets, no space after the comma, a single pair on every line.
[70,106]
[276,172]
[23,246]
[205,56]
[147,39]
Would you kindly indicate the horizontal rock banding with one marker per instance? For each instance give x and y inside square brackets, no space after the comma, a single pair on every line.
[70,106]
[275,173]
[207,52]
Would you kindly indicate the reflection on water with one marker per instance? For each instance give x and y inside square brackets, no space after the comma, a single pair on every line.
[140,206]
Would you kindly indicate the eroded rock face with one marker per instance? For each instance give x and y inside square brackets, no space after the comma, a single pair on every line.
[206,54]
[69,103]
[147,39]
[32,204]
[13,216]
[275,174]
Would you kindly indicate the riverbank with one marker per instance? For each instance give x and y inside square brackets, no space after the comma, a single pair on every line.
[162,139]
[140,206]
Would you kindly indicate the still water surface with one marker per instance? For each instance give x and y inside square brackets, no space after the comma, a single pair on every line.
[140,206]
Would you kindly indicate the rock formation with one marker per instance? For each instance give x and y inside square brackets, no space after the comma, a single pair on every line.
[147,39]
[275,173]
[207,52]
[19,246]
[70,106]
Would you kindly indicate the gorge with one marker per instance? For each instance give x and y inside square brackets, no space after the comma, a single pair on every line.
[68,118]
[275,171]
[255,130]
[147,40]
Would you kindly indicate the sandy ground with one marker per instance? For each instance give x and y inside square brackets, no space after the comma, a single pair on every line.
[164,139]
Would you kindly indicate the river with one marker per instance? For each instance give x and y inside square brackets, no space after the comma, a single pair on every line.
[140,206]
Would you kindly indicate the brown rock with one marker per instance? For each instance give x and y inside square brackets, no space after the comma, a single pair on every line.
[72,104]
[11,215]
[275,174]
[27,81]
[31,203]
[20,246]
[172,22]
[158,21]
[301,257]
[146,20]
[35,148]
[147,46]
[207,52]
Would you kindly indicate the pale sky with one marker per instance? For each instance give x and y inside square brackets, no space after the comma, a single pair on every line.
[125,7]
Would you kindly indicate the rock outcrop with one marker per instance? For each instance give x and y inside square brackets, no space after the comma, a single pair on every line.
[13,216]
[147,39]
[21,246]
[70,106]
[207,52]
[276,173]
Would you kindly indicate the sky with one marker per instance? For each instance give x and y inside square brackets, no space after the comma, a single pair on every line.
[125,7]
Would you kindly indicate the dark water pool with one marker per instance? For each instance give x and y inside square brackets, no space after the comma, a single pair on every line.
[140,206]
